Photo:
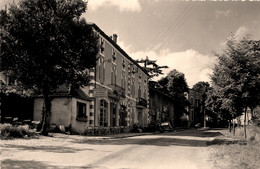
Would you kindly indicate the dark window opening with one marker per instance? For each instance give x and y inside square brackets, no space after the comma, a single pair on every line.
[81,112]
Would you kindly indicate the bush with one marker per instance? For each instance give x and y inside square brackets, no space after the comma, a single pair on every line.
[15,131]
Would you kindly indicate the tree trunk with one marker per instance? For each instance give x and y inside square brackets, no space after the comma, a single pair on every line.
[46,112]
[229,126]
[234,129]
[245,124]
[205,122]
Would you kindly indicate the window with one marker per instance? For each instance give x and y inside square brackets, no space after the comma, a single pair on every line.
[10,81]
[123,64]
[102,46]
[81,111]
[91,122]
[113,75]
[113,55]
[103,113]
[145,94]
[133,90]
[197,102]
[139,92]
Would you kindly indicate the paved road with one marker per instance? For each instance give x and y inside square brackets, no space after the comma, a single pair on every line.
[177,150]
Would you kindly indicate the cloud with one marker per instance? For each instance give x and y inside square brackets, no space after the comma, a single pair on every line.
[219,13]
[196,66]
[127,48]
[241,32]
[123,5]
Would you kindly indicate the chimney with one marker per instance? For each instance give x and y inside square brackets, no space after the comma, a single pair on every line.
[115,38]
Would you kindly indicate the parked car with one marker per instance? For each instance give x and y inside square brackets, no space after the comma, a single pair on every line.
[165,126]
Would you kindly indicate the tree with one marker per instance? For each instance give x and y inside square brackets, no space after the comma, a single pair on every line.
[214,106]
[151,67]
[236,76]
[202,88]
[175,85]
[45,44]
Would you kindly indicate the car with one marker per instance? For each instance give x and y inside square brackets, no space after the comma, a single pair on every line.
[165,126]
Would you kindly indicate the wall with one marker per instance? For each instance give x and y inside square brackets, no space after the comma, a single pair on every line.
[194,97]
[122,72]
[161,107]
[60,110]
[78,126]
[63,112]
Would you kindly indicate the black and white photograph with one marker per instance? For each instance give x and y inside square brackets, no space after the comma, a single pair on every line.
[130,84]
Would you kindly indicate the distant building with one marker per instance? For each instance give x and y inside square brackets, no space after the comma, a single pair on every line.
[194,109]
[161,107]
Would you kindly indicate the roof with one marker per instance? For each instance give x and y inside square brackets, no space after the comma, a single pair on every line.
[158,91]
[70,91]
[117,47]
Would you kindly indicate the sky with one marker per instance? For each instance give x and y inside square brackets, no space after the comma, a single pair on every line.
[184,35]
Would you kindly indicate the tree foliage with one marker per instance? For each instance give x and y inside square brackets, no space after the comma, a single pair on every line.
[236,77]
[152,68]
[175,85]
[45,44]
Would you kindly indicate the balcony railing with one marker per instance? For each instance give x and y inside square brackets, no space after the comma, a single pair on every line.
[117,91]
[140,102]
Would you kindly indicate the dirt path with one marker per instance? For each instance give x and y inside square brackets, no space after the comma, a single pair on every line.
[186,149]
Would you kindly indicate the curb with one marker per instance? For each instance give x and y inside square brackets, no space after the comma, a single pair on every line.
[127,136]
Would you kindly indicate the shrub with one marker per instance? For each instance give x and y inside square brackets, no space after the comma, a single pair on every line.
[15,131]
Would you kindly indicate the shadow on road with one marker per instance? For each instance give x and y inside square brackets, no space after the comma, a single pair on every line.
[196,133]
[17,164]
[189,138]
[53,149]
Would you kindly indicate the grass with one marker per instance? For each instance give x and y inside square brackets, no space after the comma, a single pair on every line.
[233,152]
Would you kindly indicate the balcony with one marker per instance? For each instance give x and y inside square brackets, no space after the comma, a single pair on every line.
[141,103]
[117,92]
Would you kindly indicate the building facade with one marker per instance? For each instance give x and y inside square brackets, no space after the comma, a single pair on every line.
[116,96]
[194,109]
[161,107]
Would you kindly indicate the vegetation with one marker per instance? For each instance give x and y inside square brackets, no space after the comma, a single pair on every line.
[45,44]
[151,67]
[15,131]
[203,88]
[232,152]
[235,80]
[175,85]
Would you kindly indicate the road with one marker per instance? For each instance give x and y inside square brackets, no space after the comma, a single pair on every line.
[175,150]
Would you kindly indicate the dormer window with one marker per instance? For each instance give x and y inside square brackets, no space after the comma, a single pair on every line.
[113,55]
